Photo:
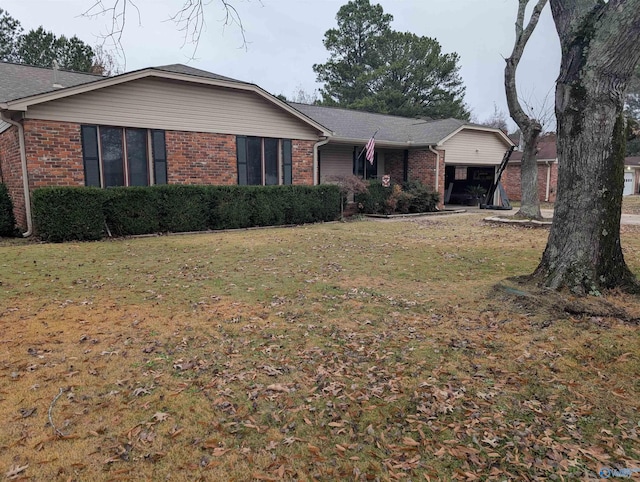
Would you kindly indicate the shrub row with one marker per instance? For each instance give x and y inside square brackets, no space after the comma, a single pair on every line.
[83,213]
[7,219]
[410,197]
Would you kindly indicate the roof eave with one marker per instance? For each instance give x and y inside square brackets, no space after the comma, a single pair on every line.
[380,143]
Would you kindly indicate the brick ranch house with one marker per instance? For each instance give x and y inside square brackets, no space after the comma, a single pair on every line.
[180,125]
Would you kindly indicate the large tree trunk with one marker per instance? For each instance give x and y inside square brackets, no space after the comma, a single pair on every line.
[600,47]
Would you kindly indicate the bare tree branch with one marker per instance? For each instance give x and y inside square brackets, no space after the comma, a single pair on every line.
[189,19]
[523,34]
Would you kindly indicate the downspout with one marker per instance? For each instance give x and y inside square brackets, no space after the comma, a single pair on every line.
[437,168]
[25,178]
[548,191]
[318,144]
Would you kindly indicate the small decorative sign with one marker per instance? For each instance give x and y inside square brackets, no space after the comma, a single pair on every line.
[386,180]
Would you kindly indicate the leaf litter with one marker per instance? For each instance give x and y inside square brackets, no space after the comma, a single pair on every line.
[400,370]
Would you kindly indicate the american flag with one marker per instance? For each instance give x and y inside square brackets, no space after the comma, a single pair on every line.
[370,148]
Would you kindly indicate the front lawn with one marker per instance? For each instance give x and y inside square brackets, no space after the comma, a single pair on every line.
[343,351]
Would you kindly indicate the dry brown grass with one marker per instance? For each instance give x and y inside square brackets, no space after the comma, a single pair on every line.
[631,204]
[332,352]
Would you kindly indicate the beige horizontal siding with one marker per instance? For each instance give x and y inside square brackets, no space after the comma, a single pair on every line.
[474,148]
[335,161]
[180,106]
[4,126]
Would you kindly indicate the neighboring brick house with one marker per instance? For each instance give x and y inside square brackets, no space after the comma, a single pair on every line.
[179,125]
[547,171]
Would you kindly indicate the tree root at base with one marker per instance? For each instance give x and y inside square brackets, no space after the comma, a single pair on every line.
[530,298]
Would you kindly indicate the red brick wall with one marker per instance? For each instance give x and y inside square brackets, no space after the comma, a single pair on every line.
[394,165]
[54,153]
[201,158]
[422,167]
[511,182]
[11,172]
[302,162]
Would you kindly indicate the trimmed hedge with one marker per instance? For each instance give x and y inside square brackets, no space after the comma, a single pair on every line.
[7,218]
[69,213]
[64,213]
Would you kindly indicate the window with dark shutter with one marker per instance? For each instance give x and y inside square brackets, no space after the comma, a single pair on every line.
[287,162]
[159,152]
[90,156]
[241,150]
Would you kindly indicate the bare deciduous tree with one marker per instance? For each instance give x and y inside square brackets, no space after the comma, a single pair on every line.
[600,49]
[530,127]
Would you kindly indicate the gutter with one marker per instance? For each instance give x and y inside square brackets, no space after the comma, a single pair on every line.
[318,144]
[437,168]
[25,172]
[548,190]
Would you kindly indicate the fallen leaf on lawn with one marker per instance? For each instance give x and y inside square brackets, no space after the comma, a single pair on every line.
[160,416]
[277,387]
[409,441]
[313,449]
[263,477]
[16,470]
[219,452]
[27,412]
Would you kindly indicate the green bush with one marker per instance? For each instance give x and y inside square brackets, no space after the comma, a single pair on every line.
[80,213]
[7,219]
[132,210]
[182,208]
[412,197]
[69,213]
[423,199]
[374,200]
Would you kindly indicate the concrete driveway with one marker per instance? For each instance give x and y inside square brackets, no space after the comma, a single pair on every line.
[630,219]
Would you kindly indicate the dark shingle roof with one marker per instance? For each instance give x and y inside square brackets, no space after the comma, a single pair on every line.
[185,69]
[18,81]
[351,124]
[546,148]
[632,161]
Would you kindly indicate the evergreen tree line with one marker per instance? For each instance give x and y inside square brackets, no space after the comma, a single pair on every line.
[40,47]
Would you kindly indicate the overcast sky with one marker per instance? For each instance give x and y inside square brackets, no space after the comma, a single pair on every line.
[285,40]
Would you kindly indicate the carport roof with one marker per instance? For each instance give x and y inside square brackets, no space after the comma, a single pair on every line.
[358,125]
[353,125]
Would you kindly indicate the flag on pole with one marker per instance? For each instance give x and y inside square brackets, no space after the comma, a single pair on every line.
[370,150]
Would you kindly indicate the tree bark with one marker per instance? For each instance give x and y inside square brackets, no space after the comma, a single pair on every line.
[529,127]
[600,48]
